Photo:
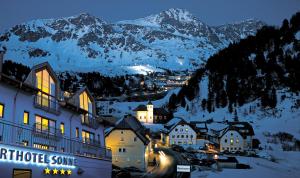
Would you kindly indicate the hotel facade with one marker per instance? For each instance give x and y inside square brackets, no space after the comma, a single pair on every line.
[43,133]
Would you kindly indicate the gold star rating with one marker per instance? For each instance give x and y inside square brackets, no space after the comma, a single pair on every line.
[55,171]
[62,172]
[47,171]
[69,172]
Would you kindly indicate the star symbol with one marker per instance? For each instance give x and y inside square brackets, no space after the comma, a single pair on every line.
[62,172]
[55,171]
[47,171]
[69,172]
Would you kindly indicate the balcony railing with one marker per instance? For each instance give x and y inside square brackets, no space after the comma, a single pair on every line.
[46,102]
[89,120]
[46,131]
[11,133]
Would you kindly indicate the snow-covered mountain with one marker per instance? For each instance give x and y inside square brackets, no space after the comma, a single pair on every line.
[173,39]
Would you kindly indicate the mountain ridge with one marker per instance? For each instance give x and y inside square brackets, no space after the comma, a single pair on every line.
[87,43]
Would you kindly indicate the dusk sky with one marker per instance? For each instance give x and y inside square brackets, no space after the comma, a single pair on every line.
[212,12]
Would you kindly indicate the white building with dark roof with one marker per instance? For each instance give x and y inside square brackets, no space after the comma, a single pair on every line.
[237,136]
[177,131]
[42,133]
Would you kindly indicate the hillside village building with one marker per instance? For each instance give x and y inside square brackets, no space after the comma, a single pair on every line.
[237,136]
[177,131]
[43,134]
[149,114]
[129,143]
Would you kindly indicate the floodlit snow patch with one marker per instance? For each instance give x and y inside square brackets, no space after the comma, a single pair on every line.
[141,69]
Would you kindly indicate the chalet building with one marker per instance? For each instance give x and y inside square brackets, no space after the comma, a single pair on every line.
[149,114]
[42,133]
[129,143]
[237,136]
[177,131]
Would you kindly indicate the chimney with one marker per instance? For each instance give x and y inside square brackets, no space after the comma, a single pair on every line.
[1,60]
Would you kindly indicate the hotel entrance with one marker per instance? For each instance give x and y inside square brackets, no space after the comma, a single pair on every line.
[22,173]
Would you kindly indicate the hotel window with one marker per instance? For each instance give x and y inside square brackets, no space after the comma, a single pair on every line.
[77,132]
[41,146]
[225,140]
[62,128]
[135,139]
[237,140]
[25,142]
[22,173]
[46,84]
[45,125]
[1,110]
[120,150]
[122,139]
[124,150]
[86,104]
[87,137]
[26,118]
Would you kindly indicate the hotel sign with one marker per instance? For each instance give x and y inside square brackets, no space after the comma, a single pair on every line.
[35,157]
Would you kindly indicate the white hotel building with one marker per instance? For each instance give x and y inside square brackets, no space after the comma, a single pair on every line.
[44,134]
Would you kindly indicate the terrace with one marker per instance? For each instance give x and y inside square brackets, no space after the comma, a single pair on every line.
[51,139]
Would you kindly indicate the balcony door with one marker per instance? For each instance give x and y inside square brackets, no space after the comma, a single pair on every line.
[86,104]
[45,83]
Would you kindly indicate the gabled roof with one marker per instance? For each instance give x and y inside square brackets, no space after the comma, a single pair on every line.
[173,123]
[31,76]
[18,84]
[130,123]
[141,108]
[149,102]
[75,97]
[243,128]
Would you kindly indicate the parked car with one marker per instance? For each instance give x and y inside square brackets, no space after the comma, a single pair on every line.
[177,148]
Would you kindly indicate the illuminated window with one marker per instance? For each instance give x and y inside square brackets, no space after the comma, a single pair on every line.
[41,146]
[237,141]
[231,141]
[1,110]
[44,125]
[22,173]
[25,143]
[87,137]
[77,132]
[85,102]
[26,118]
[186,129]
[62,128]
[45,83]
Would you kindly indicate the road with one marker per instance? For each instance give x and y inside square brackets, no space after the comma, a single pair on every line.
[169,160]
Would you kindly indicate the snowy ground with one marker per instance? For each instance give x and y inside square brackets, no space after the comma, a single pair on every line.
[287,165]
[122,108]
